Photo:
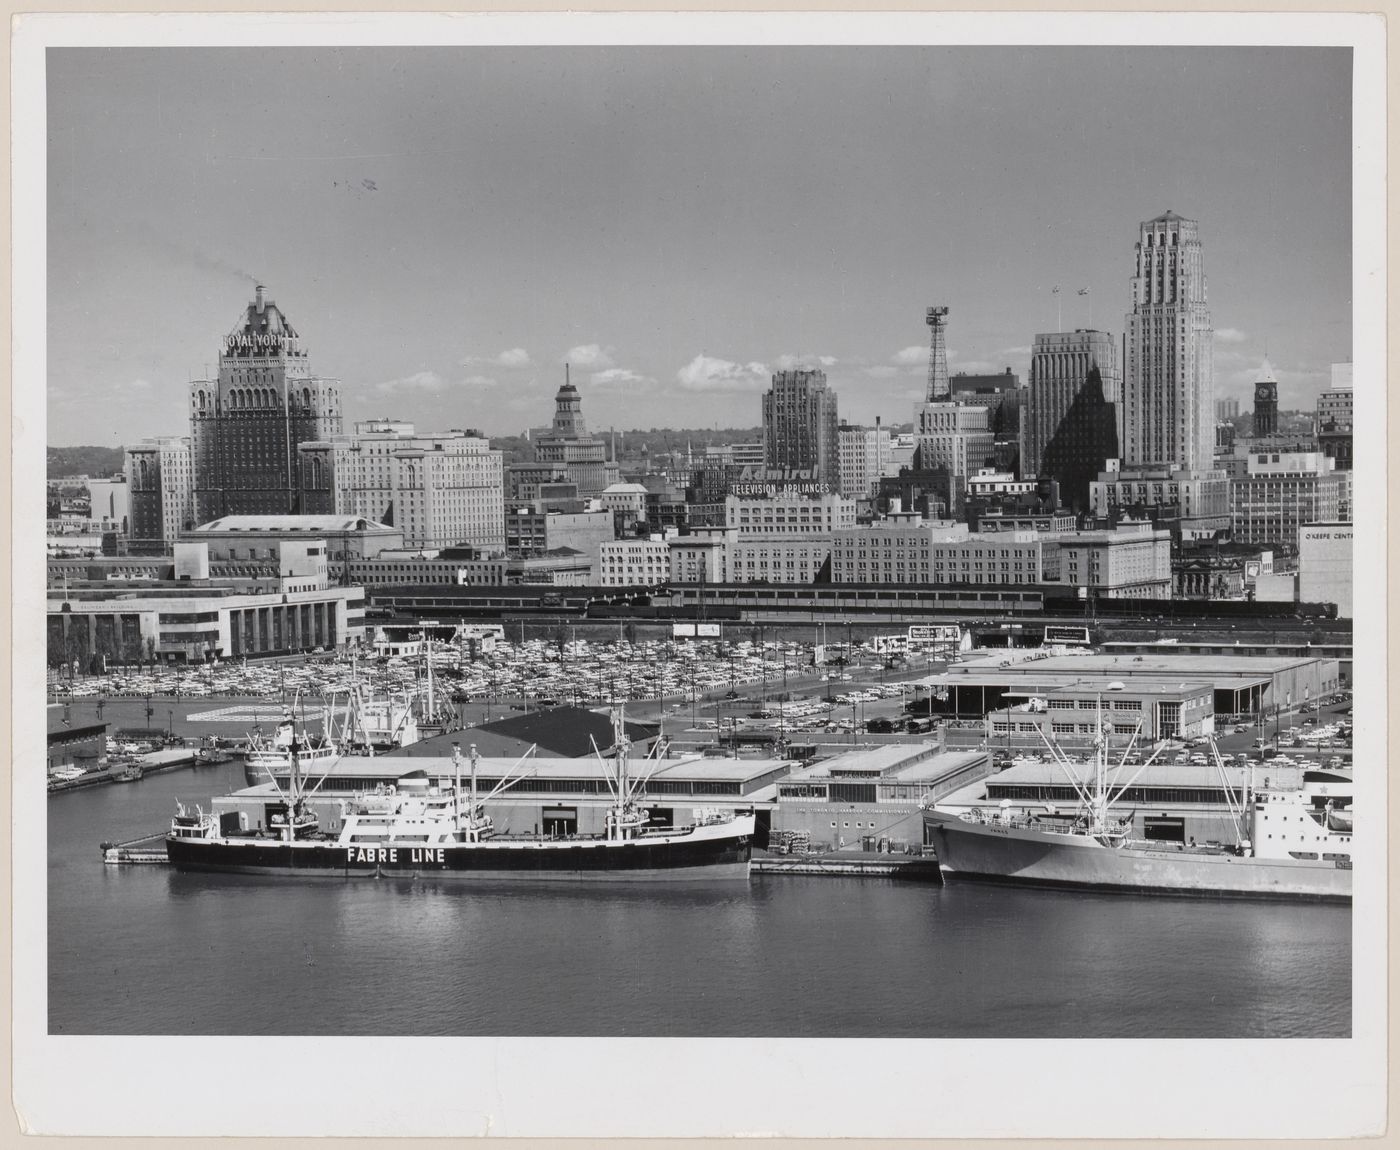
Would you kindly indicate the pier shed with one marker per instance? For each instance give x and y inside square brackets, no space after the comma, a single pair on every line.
[863,797]
[548,795]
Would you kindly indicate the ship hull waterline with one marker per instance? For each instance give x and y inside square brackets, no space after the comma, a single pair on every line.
[1026,857]
[704,859]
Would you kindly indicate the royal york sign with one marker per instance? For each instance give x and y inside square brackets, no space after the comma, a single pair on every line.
[252,341]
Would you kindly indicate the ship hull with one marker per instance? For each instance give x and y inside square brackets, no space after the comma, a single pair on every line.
[702,855]
[1022,856]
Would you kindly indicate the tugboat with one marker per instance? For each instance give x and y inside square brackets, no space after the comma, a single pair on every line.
[1297,844]
[417,828]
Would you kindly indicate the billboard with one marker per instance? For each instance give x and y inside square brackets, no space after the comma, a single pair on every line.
[707,630]
[682,630]
[930,633]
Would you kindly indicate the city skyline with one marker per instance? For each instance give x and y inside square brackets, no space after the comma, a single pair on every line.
[446,227]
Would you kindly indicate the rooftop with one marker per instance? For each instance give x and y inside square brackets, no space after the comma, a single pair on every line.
[308,523]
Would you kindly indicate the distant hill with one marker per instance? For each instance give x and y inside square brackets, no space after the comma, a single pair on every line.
[95,461]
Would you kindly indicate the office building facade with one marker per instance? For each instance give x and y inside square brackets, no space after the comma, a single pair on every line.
[245,425]
[1168,380]
[1072,417]
[800,427]
[160,486]
[441,490]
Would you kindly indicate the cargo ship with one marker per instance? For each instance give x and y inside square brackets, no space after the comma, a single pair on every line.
[425,828]
[1290,843]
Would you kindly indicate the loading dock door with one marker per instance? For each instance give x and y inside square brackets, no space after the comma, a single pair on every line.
[1163,828]
[560,821]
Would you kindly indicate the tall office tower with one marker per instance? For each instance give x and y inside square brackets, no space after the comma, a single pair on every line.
[580,457]
[1266,402]
[1168,384]
[1226,409]
[160,481]
[245,427]
[1071,425]
[800,427]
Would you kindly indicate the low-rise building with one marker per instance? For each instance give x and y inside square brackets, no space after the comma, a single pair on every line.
[530,532]
[1071,716]
[902,548]
[560,567]
[703,556]
[191,617]
[1324,565]
[1133,562]
[871,798]
[257,537]
[1200,500]
[1282,491]
[634,563]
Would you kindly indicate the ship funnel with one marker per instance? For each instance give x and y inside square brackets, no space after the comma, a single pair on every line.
[261,298]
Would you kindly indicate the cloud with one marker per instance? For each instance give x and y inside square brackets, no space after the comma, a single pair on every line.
[513,357]
[1023,349]
[622,378]
[707,373]
[480,381]
[133,387]
[1230,335]
[881,371]
[976,367]
[590,355]
[911,356]
[418,381]
[789,362]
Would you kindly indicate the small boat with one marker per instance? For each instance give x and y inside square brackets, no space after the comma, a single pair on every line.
[423,828]
[271,758]
[132,773]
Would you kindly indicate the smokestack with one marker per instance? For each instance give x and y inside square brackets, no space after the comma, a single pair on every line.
[261,298]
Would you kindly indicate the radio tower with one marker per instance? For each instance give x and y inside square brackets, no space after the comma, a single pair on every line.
[936,318]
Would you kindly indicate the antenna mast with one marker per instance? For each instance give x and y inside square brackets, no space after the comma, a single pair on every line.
[937,319]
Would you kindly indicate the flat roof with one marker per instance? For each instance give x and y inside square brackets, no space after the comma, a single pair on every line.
[1159,774]
[694,768]
[1017,686]
[887,764]
[293,523]
[1114,688]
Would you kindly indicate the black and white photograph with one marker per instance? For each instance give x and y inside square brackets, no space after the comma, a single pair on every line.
[618,575]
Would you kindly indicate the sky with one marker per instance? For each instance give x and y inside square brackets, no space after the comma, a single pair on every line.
[446,227]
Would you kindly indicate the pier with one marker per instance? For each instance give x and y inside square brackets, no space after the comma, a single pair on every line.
[157,762]
[852,864]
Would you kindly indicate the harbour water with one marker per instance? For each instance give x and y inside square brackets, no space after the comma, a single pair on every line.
[147,950]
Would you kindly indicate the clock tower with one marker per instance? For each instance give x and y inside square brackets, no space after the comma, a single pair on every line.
[1266,402]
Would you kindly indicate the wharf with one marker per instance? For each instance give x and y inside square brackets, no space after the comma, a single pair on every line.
[170,759]
[852,864]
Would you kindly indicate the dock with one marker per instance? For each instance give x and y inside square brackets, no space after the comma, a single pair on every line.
[852,864]
[157,762]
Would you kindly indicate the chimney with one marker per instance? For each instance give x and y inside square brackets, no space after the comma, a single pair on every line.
[261,298]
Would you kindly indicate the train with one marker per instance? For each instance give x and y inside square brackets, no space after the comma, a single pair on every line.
[736,601]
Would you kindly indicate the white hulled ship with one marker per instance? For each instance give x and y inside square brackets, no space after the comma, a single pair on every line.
[1290,843]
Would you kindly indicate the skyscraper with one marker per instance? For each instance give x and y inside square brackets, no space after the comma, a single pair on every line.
[800,428]
[1071,424]
[246,425]
[1168,383]
[1266,401]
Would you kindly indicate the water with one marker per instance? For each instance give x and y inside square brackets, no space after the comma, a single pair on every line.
[147,950]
